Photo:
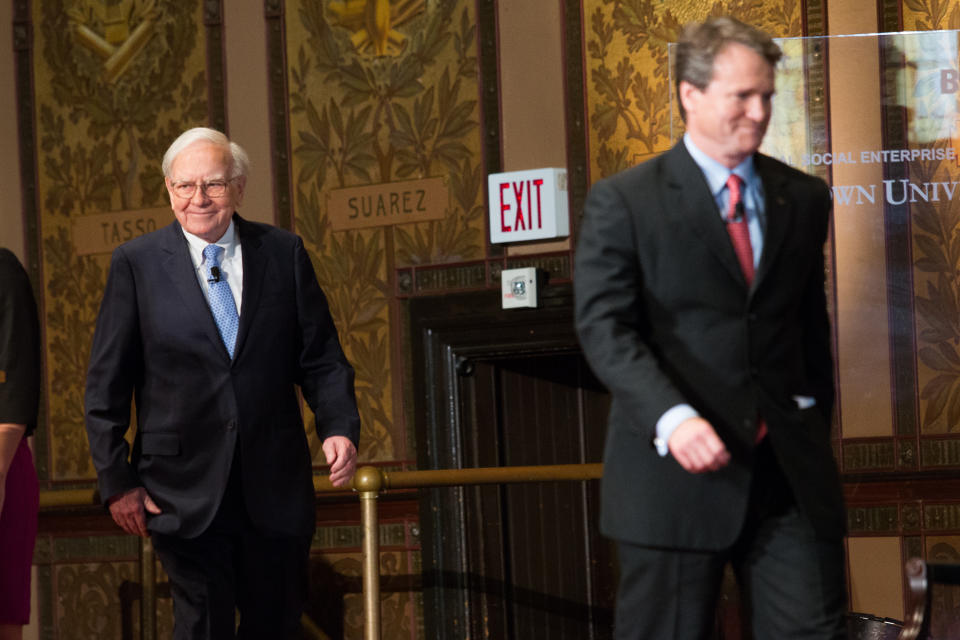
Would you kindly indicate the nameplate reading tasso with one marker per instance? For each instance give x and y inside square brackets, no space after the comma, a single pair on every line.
[389,203]
[104,232]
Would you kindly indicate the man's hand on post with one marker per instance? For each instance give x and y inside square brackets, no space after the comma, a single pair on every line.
[128,508]
[342,458]
[697,447]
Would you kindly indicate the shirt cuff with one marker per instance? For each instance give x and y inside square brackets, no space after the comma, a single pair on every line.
[668,423]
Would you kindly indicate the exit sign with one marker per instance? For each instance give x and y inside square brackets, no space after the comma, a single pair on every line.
[528,205]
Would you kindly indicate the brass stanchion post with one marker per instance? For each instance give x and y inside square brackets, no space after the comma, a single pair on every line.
[368,482]
[148,591]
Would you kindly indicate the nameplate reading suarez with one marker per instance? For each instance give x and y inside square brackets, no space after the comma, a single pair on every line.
[389,203]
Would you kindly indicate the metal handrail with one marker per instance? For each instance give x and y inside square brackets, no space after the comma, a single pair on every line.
[368,483]
[69,498]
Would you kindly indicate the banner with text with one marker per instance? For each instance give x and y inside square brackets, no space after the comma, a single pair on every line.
[876,117]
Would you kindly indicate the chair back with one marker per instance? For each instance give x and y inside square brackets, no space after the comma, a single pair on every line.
[920,580]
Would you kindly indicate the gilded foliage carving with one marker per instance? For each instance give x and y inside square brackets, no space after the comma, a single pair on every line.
[369,107]
[88,599]
[936,259]
[628,91]
[114,85]
[936,243]
[391,119]
[930,15]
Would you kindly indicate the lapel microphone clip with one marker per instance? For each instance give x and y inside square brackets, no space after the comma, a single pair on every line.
[738,213]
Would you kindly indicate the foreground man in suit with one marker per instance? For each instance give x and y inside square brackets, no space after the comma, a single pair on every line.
[210,325]
[700,305]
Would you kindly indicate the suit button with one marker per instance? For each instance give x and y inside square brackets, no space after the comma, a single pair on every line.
[752,317]
[754,372]
[231,425]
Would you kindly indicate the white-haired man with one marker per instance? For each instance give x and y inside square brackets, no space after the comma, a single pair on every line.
[209,325]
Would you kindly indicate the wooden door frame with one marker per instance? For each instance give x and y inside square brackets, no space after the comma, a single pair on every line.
[447,333]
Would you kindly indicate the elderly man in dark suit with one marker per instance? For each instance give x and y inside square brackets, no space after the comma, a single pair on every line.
[700,304]
[209,326]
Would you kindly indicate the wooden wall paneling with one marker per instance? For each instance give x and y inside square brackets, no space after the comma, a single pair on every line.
[578,167]
[435,366]
[899,263]
[487,69]
[23,54]
[814,18]
[279,114]
[487,560]
[27,152]
[216,81]
[540,401]
[890,15]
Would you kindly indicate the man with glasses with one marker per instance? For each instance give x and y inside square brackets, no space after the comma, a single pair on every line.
[209,326]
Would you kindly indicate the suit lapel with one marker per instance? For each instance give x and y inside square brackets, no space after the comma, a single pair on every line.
[179,268]
[254,267]
[777,210]
[689,195]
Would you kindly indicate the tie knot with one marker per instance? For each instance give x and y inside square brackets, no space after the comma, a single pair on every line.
[212,253]
[734,187]
[734,184]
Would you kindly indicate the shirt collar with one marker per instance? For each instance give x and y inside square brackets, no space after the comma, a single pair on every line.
[228,241]
[717,174]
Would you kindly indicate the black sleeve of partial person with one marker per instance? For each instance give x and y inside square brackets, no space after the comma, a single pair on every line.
[19,346]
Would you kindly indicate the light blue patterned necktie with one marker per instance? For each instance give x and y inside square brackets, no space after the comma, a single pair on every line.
[220,298]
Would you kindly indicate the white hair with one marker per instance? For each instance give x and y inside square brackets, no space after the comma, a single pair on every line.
[241,162]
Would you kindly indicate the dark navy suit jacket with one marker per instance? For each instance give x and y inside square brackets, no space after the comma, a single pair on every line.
[156,343]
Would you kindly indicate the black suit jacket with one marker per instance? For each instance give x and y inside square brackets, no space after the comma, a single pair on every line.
[156,342]
[665,317]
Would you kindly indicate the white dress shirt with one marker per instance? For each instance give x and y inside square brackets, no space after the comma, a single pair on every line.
[231,264]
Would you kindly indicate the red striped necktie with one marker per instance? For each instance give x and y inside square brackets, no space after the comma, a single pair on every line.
[737,227]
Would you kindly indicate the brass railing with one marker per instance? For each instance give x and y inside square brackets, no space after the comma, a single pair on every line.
[368,483]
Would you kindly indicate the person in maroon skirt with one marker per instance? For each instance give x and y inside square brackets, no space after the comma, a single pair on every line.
[19,399]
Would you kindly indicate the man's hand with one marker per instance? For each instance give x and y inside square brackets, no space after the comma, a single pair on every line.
[697,447]
[128,508]
[342,458]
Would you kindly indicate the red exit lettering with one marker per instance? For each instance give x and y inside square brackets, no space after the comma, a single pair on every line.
[526,205]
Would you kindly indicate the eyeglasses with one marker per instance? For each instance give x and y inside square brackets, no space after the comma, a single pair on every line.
[212,189]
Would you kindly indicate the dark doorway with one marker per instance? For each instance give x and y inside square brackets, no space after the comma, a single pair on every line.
[497,388]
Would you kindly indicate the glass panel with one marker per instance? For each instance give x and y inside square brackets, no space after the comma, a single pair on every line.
[876,117]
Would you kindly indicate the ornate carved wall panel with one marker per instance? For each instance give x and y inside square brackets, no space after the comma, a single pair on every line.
[91,588]
[627,70]
[112,84]
[389,102]
[103,88]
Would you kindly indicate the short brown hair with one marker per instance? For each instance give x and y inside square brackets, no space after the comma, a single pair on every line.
[701,42]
